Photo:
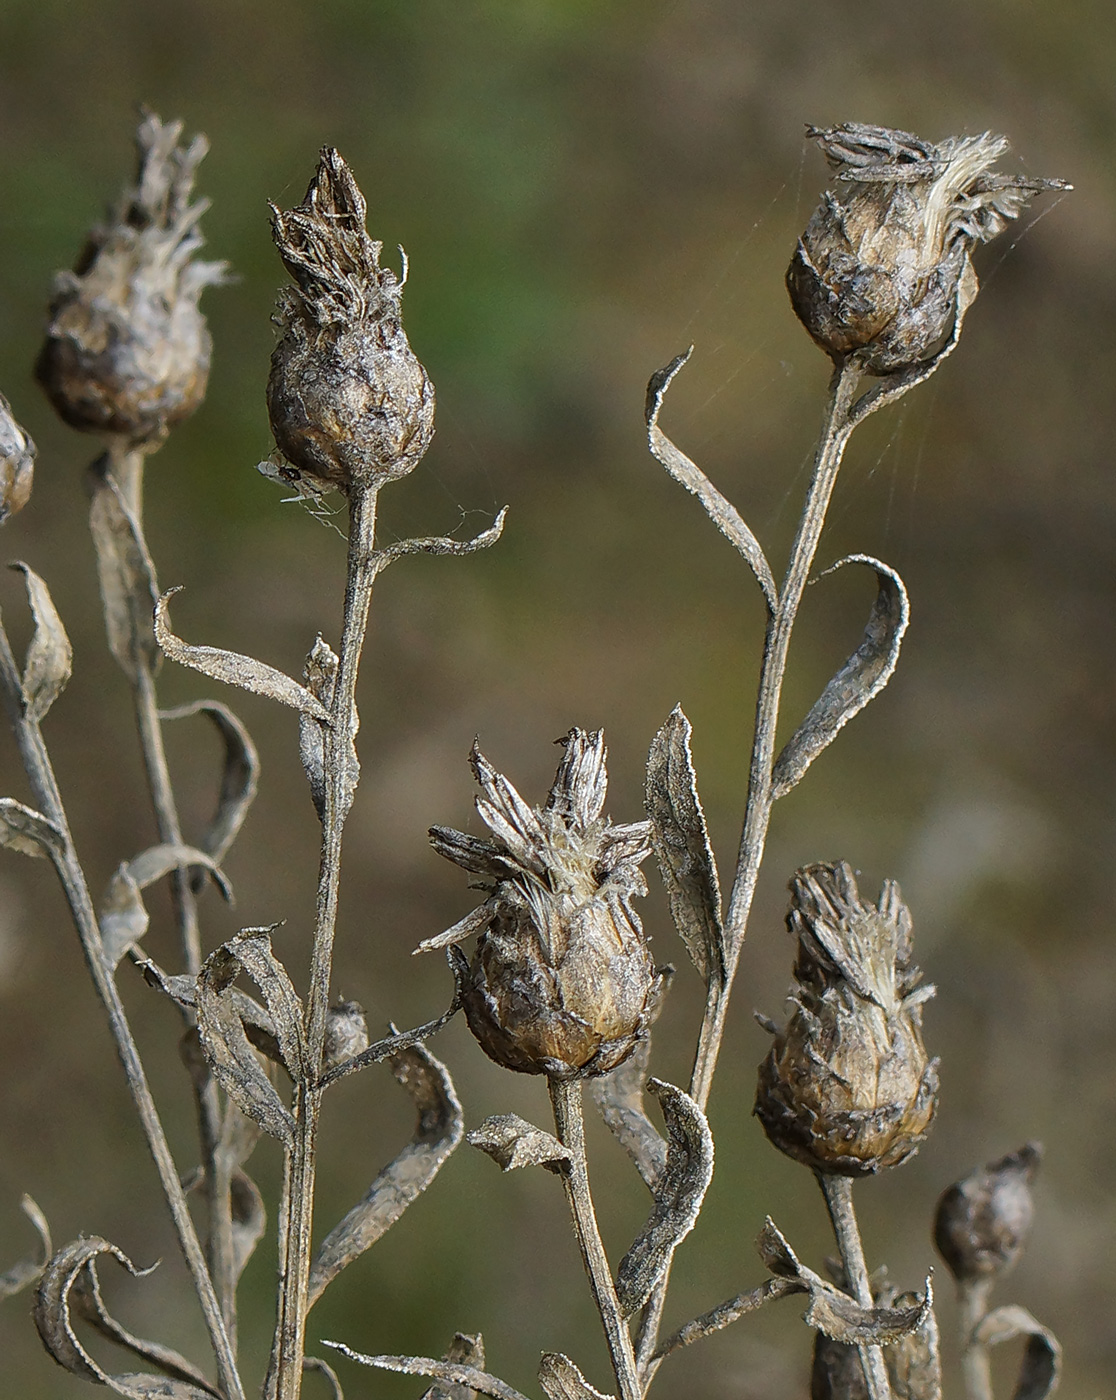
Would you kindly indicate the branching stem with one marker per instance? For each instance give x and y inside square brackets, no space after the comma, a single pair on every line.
[565,1098]
[285,1377]
[838,1198]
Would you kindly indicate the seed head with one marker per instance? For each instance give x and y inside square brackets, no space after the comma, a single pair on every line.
[884,269]
[561,982]
[127,349]
[349,402]
[17,463]
[346,1033]
[847,1087]
[983,1220]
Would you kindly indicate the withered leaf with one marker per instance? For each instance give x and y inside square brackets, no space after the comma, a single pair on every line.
[223,1037]
[1041,1366]
[833,1311]
[69,1289]
[437,1133]
[20,1275]
[235,669]
[324,1369]
[127,576]
[512,1142]
[249,1219]
[682,847]
[25,830]
[466,1350]
[123,917]
[440,544]
[561,1380]
[726,1313]
[183,991]
[239,778]
[678,1192]
[862,677]
[619,1099]
[49,660]
[721,511]
[320,675]
[452,1372]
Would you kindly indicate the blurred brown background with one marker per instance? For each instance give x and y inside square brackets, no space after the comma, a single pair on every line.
[584,189]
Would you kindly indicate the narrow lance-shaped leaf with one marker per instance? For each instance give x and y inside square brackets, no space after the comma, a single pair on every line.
[682,846]
[833,1311]
[1041,1365]
[123,917]
[452,1372]
[127,576]
[721,511]
[239,778]
[862,677]
[437,1133]
[26,1271]
[70,1288]
[619,1099]
[466,1349]
[27,831]
[235,669]
[226,1046]
[561,1380]
[512,1142]
[49,661]
[679,1192]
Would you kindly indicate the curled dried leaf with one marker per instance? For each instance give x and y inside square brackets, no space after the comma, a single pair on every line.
[833,1311]
[862,677]
[437,1133]
[682,849]
[678,1192]
[1041,1365]
[440,544]
[721,511]
[49,661]
[129,590]
[222,1030]
[26,1271]
[123,917]
[452,1372]
[239,778]
[512,1142]
[235,669]
[27,831]
[324,1369]
[561,1380]
[70,1288]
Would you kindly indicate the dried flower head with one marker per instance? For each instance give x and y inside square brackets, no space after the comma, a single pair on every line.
[883,270]
[17,463]
[127,349]
[982,1222]
[847,1087]
[561,982]
[348,400]
[346,1033]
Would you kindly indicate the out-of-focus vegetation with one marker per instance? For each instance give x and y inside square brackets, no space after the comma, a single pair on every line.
[582,190]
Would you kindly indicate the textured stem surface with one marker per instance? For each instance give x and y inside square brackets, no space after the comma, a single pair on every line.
[298,1216]
[47,798]
[838,1197]
[565,1097]
[976,1360]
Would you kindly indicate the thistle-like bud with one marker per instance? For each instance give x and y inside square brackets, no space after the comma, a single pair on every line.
[17,463]
[561,982]
[884,269]
[346,1033]
[349,402]
[983,1220]
[847,1087]
[127,349]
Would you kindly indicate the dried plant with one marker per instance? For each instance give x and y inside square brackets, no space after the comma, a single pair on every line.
[560,982]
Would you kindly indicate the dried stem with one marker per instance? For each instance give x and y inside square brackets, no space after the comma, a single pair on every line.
[36,762]
[838,1197]
[126,466]
[565,1098]
[976,1361]
[285,1374]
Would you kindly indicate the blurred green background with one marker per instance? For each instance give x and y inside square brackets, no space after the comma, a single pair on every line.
[583,189]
